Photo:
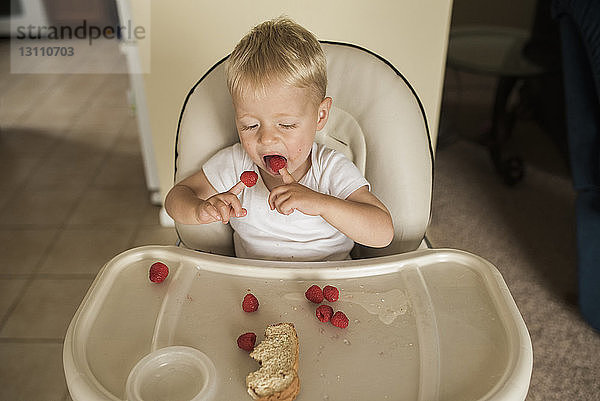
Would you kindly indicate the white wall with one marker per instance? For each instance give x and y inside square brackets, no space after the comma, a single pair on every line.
[189,36]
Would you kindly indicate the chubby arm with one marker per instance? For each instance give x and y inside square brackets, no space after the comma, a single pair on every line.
[361,216]
[195,201]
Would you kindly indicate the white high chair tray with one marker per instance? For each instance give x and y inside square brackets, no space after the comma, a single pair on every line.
[426,325]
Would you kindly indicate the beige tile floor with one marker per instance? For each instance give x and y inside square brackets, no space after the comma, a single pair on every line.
[72,196]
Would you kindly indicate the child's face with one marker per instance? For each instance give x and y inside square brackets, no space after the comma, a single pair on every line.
[283,122]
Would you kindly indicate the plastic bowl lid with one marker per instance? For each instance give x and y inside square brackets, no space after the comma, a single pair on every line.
[176,373]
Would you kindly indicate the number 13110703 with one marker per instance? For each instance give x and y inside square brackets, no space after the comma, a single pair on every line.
[46,51]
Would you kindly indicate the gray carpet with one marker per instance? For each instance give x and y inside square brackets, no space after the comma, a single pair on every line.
[527,232]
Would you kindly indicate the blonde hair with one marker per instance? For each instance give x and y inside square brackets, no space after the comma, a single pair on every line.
[277,50]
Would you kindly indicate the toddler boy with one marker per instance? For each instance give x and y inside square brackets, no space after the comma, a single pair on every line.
[318,204]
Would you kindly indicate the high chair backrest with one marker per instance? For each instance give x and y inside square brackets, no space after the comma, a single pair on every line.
[376,119]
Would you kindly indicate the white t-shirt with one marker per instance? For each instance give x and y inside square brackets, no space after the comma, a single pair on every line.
[267,234]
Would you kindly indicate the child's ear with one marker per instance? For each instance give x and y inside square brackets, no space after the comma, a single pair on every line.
[323,113]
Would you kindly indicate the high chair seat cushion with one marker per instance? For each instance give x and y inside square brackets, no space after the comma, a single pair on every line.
[376,120]
[343,133]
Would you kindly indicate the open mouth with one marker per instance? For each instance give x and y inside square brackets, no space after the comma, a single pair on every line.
[275,163]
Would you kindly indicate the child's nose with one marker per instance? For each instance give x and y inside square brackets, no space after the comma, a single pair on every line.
[267,135]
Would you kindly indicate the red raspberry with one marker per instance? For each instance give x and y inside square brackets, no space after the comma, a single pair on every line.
[249,178]
[339,320]
[250,303]
[324,313]
[158,272]
[314,294]
[277,162]
[246,341]
[331,293]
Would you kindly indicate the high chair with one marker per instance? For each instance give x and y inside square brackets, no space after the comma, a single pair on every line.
[425,324]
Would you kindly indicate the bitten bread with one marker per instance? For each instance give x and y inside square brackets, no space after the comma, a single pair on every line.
[277,379]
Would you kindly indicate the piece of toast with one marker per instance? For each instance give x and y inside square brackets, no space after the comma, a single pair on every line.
[277,379]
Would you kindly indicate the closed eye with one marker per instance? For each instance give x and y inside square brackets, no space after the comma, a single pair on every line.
[287,126]
[249,127]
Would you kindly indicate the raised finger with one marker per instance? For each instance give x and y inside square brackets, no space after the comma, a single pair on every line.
[237,188]
[286,176]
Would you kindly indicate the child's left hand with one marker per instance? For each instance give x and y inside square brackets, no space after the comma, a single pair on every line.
[293,196]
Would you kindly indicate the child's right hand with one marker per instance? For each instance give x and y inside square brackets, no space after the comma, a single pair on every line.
[221,207]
